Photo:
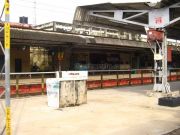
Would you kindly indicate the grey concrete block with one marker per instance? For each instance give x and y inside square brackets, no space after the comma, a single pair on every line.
[81,92]
[72,93]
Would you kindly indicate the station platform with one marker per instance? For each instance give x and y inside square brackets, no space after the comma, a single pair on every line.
[110,111]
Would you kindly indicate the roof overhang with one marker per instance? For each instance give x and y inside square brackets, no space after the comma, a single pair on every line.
[33,37]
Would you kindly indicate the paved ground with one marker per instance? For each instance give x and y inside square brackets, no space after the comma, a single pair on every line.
[114,111]
[174,87]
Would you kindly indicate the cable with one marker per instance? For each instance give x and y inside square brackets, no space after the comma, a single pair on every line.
[42,2]
[2,13]
[2,132]
[46,9]
[46,4]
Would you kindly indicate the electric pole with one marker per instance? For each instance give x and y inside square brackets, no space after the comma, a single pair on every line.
[7,66]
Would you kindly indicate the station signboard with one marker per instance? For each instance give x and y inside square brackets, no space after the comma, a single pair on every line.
[75,75]
[159,18]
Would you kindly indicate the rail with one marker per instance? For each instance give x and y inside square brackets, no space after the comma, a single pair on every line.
[35,82]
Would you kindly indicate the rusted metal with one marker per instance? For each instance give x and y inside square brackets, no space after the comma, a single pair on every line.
[18,25]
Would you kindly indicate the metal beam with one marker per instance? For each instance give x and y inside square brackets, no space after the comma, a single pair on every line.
[118,20]
[137,15]
[2,48]
[1,29]
[134,11]
[177,5]
[102,11]
[135,23]
[150,46]
[158,18]
[173,21]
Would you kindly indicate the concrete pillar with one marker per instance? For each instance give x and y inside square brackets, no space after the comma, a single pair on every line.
[67,94]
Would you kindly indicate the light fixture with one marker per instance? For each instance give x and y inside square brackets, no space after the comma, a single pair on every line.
[24,48]
[153,3]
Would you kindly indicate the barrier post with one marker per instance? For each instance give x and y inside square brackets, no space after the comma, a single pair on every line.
[129,77]
[101,80]
[170,75]
[141,76]
[17,85]
[42,83]
[117,75]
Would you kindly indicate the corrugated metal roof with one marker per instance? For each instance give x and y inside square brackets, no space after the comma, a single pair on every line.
[123,6]
[31,36]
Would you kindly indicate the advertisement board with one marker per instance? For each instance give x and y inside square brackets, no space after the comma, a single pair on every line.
[53,86]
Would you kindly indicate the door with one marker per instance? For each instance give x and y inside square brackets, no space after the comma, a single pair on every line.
[18,65]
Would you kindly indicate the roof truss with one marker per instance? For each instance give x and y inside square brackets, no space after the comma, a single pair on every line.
[157,18]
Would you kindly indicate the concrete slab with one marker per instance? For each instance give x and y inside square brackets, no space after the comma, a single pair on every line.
[107,112]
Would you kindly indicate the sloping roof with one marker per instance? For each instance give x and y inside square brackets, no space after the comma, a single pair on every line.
[33,37]
[81,15]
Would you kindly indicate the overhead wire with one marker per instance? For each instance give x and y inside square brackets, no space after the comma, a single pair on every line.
[3,130]
[46,9]
[40,7]
[2,13]
[46,4]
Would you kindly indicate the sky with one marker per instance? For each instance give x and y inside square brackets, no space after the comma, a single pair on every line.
[42,11]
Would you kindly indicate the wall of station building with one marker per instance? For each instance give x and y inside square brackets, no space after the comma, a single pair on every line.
[54,59]
[109,60]
[20,59]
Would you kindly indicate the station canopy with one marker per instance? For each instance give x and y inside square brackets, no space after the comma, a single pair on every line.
[83,16]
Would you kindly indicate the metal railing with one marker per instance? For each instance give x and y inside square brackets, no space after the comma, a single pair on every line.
[35,82]
[24,83]
[113,78]
[174,74]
